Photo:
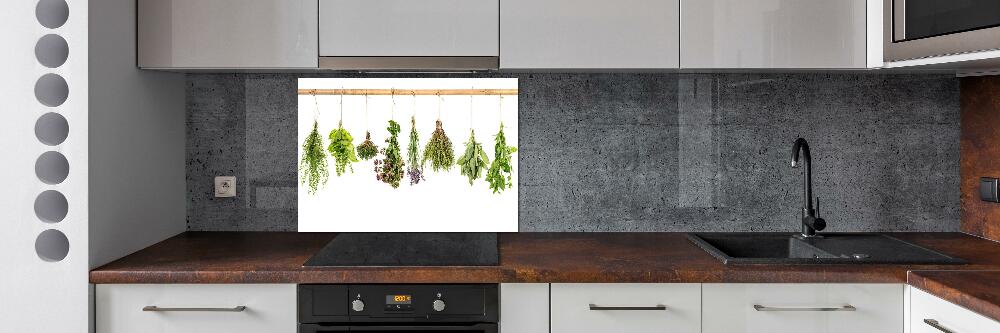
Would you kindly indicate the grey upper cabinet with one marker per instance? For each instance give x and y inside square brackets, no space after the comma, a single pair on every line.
[192,34]
[408,28]
[581,34]
[774,34]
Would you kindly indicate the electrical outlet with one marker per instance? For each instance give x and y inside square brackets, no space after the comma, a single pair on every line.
[225,187]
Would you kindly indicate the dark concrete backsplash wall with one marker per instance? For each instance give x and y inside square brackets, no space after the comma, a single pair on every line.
[639,152]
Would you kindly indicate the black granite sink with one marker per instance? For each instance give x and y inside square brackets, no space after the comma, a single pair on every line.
[833,248]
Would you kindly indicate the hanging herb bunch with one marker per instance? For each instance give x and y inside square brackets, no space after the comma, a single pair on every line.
[439,150]
[367,149]
[499,175]
[389,170]
[342,144]
[415,169]
[313,167]
[474,161]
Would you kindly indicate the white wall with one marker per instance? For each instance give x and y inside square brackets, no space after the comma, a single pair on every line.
[137,186]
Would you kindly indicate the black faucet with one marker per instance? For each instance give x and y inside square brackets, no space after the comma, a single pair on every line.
[811,222]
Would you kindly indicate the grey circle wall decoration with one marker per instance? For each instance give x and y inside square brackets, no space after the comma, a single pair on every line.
[51,206]
[51,90]
[51,51]
[52,167]
[52,245]
[52,13]
[51,129]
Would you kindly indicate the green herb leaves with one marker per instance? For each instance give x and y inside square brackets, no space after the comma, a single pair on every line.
[367,149]
[439,150]
[415,169]
[499,175]
[390,169]
[342,149]
[313,168]
[474,161]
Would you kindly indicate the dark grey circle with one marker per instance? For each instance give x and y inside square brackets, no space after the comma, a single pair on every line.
[51,51]
[51,206]
[51,128]
[52,245]
[52,13]
[52,167]
[51,90]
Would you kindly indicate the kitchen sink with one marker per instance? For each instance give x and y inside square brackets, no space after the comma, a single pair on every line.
[831,248]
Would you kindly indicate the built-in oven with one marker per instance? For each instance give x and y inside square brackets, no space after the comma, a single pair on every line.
[916,29]
[384,308]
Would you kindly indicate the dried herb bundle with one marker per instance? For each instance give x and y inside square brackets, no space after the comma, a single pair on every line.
[499,175]
[474,161]
[342,148]
[439,150]
[367,149]
[390,169]
[415,170]
[313,167]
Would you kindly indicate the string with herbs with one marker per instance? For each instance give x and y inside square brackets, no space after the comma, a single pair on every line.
[389,170]
[313,169]
[415,169]
[474,161]
[439,149]
[342,145]
[500,172]
[367,149]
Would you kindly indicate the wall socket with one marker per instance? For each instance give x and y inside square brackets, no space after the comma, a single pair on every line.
[225,187]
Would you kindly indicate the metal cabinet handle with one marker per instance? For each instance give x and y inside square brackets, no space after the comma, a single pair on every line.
[657,307]
[154,308]
[935,324]
[759,307]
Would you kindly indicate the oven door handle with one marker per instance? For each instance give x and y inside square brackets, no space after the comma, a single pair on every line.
[486,328]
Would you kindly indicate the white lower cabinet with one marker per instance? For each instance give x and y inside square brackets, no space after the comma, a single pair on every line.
[625,307]
[802,308]
[190,308]
[930,314]
[524,308]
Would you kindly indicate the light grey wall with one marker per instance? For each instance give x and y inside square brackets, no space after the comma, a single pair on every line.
[137,136]
[639,152]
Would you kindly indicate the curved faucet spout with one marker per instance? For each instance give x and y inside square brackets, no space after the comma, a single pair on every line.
[810,222]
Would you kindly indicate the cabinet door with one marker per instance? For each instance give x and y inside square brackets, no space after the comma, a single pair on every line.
[407,28]
[227,33]
[625,307]
[773,34]
[930,314]
[524,308]
[269,308]
[589,34]
[802,308]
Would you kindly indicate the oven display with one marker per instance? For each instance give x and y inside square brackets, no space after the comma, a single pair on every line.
[399,303]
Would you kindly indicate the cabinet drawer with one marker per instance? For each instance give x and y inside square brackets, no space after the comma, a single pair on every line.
[623,307]
[946,315]
[269,308]
[802,308]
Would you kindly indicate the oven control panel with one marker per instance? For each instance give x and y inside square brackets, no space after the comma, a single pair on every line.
[398,303]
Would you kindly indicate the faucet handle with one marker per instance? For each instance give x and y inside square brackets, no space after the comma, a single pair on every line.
[817,206]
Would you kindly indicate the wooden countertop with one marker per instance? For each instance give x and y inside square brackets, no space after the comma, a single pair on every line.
[973,290]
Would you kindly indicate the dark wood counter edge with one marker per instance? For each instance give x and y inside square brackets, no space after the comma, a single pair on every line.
[978,291]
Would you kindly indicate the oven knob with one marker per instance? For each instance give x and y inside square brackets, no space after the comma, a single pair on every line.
[438,305]
[358,305]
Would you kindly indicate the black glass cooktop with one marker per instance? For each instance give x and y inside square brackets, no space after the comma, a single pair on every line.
[408,249]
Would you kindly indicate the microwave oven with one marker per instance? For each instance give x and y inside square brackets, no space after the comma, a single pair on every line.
[915,29]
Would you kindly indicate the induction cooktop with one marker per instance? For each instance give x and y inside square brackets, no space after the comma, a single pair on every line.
[408,249]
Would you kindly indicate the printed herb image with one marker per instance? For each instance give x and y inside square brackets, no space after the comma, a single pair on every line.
[389,170]
[474,161]
[367,149]
[499,175]
[313,167]
[439,150]
[342,149]
[415,169]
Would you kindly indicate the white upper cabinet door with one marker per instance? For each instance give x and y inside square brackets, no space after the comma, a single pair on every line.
[408,28]
[626,307]
[227,34]
[773,34]
[802,308]
[572,34]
